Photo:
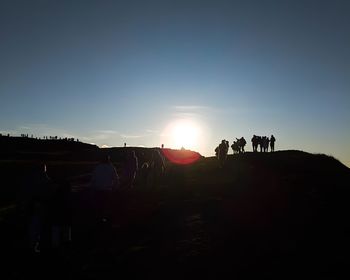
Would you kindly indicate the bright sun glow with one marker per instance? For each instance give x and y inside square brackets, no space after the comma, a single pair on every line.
[183,133]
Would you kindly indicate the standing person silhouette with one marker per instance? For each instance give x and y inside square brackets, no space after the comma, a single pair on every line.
[104,180]
[158,167]
[131,168]
[34,201]
[60,210]
[272,143]
[222,152]
[242,143]
[254,143]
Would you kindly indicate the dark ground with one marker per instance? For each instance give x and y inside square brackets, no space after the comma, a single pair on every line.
[275,215]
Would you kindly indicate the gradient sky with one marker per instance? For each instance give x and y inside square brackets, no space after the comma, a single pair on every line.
[109,72]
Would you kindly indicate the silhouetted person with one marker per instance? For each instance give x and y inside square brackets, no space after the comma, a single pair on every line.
[255,142]
[272,143]
[60,214]
[235,147]
[157,167]
[34,199]
[261,144]
[217,152]
[104,176]
[131,168]
[104,180]
[242,142]
[267,143]
[222,152]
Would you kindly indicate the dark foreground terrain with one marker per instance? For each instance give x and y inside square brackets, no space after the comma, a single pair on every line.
[281,215]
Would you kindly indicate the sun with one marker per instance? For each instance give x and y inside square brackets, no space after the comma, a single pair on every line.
[183,134]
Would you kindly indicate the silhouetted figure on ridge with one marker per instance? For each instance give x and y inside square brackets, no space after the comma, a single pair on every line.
[272,143]
[264,143]
[235,147]
[255,143]
[217,152]
[222,151]
[242,142]
[261,143]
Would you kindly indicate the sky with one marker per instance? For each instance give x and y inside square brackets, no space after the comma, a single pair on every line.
[143,72]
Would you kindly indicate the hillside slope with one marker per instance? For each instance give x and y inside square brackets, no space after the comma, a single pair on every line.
[269,215]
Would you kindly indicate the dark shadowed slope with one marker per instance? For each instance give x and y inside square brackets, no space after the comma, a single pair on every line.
[264,215]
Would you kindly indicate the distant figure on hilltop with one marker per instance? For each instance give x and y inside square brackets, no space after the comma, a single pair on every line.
[242,142]
[272,143]
[255,143]
[235,147]
[238,145]
[261,143]
[265,143]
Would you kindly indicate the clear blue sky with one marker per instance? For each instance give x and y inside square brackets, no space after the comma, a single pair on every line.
[109,72]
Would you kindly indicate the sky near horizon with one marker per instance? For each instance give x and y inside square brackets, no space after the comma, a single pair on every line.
[115,72]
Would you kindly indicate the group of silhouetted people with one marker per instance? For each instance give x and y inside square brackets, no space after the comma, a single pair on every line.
[238,145]
[47,207]
[221,151]
[47,203]
[263,142]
